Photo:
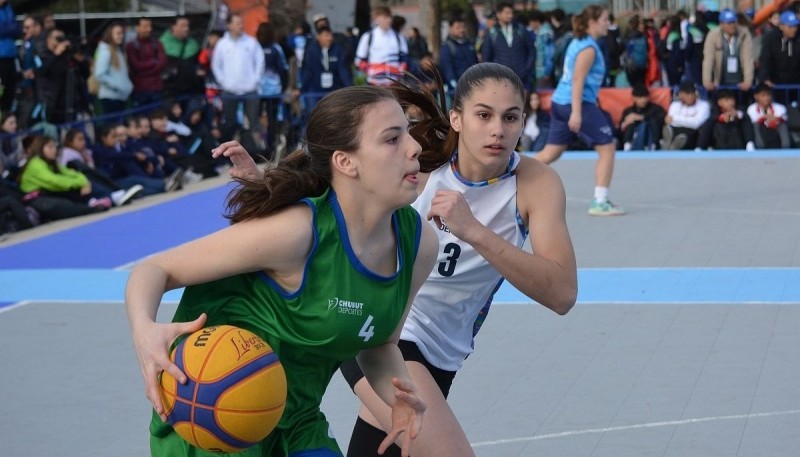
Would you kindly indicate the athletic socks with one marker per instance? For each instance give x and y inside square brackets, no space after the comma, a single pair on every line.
[600,194]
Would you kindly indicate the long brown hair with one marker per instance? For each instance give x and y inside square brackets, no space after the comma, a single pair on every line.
[116,51]
[334,124]
[580,22]
[434,133]
[37,150]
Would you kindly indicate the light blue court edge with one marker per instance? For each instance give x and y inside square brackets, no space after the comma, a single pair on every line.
[683,155]
[596,285]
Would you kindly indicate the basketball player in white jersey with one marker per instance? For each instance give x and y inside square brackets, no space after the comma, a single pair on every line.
[483,204]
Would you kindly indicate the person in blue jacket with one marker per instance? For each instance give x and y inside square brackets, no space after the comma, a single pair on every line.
[509,43]
[457,53]
[324,69]
[10,30]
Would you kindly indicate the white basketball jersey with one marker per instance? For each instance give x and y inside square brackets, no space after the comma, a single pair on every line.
[447,310]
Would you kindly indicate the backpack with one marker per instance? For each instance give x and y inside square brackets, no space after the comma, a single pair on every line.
[636,51]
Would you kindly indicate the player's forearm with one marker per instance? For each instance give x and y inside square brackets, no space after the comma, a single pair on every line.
[146,285]
[549,282]
[380,364]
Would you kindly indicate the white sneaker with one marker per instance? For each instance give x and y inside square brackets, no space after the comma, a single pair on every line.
[123,196]
[750,147]
[627,146]
[190,177]
[174,181]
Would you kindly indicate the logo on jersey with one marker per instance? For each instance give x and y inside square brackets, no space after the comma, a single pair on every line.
[606,130]
[346,306]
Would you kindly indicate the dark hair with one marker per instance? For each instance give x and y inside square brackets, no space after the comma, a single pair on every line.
[334,124]
[725,93]
[37,150]
[6,116]
[527,108]
[503,5]
[537,15]
[640,90]
[70,136]
[580,22]
[179,17]
[265,34]
[141,19]
[687,87]
[158,114]
[324,29]
[105,130]
[398,22]
[454,19]
[434,134]
[27,141]
[216,33]
[762,87]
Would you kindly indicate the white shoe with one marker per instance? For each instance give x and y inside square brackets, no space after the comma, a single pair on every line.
[627,146]
[123,196]
[750,147]
[190,177]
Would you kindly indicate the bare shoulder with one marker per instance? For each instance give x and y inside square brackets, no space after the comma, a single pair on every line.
[533,174]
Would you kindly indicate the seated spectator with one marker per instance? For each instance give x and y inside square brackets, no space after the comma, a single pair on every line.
[684,118]
[14,215]
[167,144]
[11,155]
[55,191]
[78,157]
[769,120]
[127,168]
[537,125]
[727,127]
[642,122]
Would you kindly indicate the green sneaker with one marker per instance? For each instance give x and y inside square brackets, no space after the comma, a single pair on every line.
[605,208]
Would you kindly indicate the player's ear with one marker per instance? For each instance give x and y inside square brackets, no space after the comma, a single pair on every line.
[345,163]
[455,120]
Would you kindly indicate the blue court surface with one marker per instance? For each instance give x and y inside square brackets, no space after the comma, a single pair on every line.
[684,340]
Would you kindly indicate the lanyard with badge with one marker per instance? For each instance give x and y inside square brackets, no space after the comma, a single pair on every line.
[326,78]
[733,58]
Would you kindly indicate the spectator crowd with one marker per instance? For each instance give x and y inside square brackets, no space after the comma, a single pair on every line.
[84,130]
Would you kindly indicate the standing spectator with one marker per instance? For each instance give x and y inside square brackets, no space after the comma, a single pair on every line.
[273,83]
[674,54]
[29,52]
[728,55]
[509,43]
[727,127]
[213,90]
[537,125]
[60,79]
[457,53]
[684,119]
[10,30]
[653,74]
[614,50]
[238,63]
[636,49]
[779,61]
[642,122]
[180,74]
[146,59]
[417,46]
[545,48]
[769,120]
[382,53]
[111,72]
[694,37]
[324,69]
[320,20]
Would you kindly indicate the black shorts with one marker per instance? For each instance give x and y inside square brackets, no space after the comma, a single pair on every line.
[444,379]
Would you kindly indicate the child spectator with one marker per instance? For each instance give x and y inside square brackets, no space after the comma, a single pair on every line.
[213,90]
[684,119]
[167,144]
[769,120]
[641,122]
[537,125]
[77,156]
[128,168]
[57,192]
[11,154]
[727,127]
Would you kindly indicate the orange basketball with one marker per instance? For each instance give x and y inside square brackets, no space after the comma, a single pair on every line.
[235,390]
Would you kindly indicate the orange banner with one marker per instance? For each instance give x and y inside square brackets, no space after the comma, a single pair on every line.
[615,100]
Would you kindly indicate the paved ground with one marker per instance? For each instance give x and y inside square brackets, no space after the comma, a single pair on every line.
[684,341]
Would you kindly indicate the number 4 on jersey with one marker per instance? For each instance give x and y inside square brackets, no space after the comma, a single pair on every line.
[367,330]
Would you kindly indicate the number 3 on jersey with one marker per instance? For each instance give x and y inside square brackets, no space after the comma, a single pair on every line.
[448,266]
[367,330]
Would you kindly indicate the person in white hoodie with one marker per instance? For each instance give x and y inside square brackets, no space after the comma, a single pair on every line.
[238,63]
[684,118]
[111,72]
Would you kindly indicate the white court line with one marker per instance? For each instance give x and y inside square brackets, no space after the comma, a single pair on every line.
[695,208]
[634,427]
[14,306]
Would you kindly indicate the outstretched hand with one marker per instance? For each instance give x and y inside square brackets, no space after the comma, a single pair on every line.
[407,414]
[152,343]
[244,167]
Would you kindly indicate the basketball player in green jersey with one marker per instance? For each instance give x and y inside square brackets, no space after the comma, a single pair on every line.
[322,260]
